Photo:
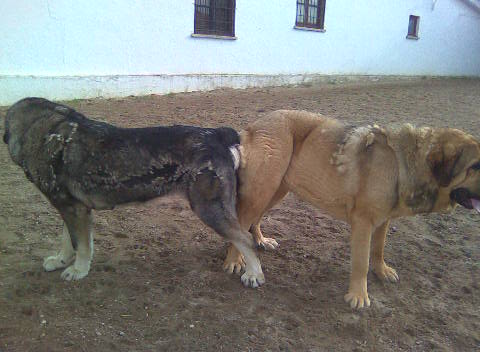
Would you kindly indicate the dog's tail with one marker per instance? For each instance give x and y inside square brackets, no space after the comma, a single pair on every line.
[230,139]
[235,151]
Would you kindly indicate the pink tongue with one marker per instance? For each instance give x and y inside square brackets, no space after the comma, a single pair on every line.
[476,204]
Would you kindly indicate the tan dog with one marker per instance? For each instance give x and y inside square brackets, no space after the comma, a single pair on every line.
[365,176]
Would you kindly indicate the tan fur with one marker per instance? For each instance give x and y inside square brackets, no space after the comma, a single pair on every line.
[365,176]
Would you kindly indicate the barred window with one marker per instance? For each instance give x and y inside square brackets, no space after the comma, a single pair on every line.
[413,27]
[215,17]
[310,13]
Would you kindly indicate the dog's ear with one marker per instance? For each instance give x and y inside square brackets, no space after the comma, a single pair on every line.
[447,160]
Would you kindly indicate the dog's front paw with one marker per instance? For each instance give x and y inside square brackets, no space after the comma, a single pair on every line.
[267,243]
[386,273]
[357,300]
[57,262]
[253,280]
[75,273]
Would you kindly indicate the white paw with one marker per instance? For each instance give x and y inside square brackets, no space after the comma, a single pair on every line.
[268,243]
[57,262]
[75,273]
[253,280]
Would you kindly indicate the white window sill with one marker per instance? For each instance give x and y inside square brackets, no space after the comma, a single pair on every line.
[310,29]
[412,37]
[212,36]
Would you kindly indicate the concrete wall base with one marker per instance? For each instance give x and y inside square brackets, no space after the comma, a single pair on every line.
[14,88]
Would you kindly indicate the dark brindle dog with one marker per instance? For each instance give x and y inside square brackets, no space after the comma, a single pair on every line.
[80,165]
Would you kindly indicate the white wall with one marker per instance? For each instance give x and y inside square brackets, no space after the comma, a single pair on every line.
[152,37]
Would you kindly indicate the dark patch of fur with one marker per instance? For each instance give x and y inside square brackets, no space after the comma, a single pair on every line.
[166,172]
[443,169]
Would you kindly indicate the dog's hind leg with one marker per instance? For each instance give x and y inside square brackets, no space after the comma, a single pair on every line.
[234,262]
[213,214]
[78,219]
[65,257]
[212,198]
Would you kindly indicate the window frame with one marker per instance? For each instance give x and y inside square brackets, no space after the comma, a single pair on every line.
[320,24]
[416,25]
[213,31]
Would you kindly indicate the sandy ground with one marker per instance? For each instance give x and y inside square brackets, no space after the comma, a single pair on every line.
[157,283]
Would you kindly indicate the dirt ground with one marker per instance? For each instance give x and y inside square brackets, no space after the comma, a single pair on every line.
[157,284]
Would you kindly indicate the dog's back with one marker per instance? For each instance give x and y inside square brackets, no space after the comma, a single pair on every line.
[63,152]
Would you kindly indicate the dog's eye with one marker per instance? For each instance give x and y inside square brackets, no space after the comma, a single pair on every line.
[475,166]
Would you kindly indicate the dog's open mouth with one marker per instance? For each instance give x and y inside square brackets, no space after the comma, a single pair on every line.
[466,198]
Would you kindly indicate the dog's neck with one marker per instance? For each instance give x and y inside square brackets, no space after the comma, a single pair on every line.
[417,189]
